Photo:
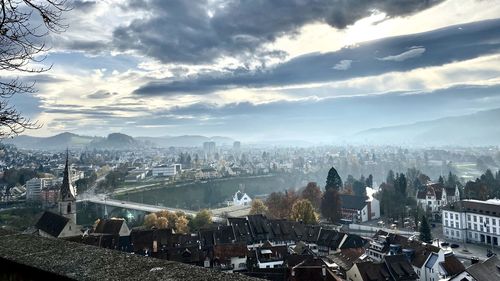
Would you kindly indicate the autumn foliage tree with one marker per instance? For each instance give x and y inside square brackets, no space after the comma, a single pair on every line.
[258,207]
[303,210]
[280,204]
[312,193]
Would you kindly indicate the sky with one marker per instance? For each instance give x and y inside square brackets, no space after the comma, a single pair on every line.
[258,70]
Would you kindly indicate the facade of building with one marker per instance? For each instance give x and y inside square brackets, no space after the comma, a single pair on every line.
[166,170]
[35,186]
[435,196]
[473,221]
[360,208]
[241,199]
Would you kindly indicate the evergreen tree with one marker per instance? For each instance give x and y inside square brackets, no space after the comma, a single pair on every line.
[331,205]
[369,181]
[441,180]
[390,178]
[402,184]
[425,231]
[333,180]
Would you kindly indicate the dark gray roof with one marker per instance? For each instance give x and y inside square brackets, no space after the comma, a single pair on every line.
[400,268]
[51,223]
[487,270]
[111,226]
[432,260]
[84,262]
[352,201]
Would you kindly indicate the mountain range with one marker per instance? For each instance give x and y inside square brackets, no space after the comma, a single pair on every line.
[478,129]
[114,141]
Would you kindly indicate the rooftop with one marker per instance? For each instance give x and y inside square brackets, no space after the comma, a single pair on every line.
[82,262]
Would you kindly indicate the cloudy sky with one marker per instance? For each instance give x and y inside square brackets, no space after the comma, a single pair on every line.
[266,70]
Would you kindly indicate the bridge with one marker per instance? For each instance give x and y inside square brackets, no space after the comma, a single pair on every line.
[102,200]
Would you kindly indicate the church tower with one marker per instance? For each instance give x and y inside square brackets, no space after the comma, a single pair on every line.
[67,195]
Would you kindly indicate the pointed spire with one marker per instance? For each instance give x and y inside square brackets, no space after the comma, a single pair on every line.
[68,192]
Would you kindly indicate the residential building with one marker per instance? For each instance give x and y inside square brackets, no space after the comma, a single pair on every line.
[481,271]
[166,170]
[35,186]
[428,261]
[359,208]
[241,199]
[473,221]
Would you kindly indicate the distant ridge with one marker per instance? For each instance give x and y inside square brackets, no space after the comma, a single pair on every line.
[480,128]
[114,141]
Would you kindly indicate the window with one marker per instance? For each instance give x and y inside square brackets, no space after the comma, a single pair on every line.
[445,214]
[481,219]
[475,218]
[469,225]
[475,226]
[69,208]
[446,222]
[456,216]
[487,220]
[493,221]
[470,234]
[468,217]
[458,233]
[456,225]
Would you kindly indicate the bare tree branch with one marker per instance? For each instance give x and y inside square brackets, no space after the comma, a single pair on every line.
[21,44]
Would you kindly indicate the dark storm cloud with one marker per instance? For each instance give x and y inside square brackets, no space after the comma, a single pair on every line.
[435,48]
[183,31]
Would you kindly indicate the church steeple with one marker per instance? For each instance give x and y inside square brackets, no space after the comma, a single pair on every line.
[68,191]
[67,194]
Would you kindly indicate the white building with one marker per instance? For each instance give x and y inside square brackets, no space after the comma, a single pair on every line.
[432,197]
[360,208]
[34,188]
[473,221]
[241,199]
[166,170]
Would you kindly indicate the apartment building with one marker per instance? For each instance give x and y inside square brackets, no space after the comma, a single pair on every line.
[473,221]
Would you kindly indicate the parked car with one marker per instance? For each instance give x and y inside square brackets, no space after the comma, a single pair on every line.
[453,246]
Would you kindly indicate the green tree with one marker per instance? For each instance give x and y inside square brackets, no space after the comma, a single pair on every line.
[359,188]
[369,180]
[425,230]
[333,180]
[390,178]
[258,207]
[312,193]
[202,219]
[331,205]
[303,210]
